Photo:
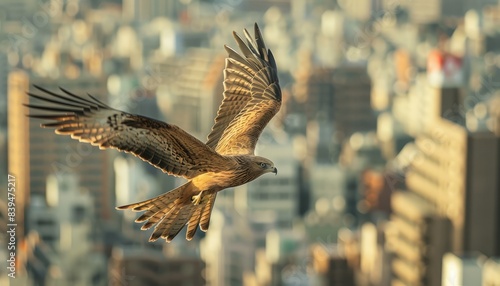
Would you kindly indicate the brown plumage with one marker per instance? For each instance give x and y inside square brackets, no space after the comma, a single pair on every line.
[252,96]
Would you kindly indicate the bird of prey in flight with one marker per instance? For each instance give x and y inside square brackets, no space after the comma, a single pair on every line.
[252,96]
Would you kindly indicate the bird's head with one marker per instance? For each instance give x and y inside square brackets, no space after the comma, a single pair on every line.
[261,165]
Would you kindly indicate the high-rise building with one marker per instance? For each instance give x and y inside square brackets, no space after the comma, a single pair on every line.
[19,146]
[419,238]
[352,110]
[339,96]
[457,172]
[143,266]
[424,103]
[54,154]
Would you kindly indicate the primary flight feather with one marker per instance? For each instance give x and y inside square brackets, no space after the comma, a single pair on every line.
[252,96]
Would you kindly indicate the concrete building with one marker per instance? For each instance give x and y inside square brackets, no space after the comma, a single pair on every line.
[51,154]
[143,266]
[341,96]
[424,103]
[419,238]
[456,173]
[18,145]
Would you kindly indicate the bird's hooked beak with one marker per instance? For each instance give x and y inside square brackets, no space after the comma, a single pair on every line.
[275,171]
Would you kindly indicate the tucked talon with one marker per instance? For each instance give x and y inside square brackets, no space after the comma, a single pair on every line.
[196,199]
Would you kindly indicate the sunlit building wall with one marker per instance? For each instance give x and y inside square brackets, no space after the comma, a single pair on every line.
[457,173]
[418,237]
[19,145]
[424,103]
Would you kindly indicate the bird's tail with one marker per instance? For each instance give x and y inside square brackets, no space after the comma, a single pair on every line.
[173,210]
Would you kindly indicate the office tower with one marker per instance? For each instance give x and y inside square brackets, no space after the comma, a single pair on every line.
[482,198]
[54,154]
[19,146]
[424,103]
[352,110]
[456,171]
[418,237]
[143,266]
[340,96]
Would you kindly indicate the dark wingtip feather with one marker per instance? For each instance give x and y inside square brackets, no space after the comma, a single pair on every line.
[154,236]
[261,46]
[147,225]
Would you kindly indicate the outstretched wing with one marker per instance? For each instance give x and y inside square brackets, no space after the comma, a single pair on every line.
[252,96]
[163,145]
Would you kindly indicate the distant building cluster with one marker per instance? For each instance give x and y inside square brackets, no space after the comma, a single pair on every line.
[387,142]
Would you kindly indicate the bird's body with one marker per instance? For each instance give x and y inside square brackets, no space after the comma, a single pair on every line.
[252,96]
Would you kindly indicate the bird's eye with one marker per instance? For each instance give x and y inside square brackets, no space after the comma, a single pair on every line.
[263,165]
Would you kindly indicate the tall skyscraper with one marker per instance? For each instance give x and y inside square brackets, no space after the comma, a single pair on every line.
[54,154]
[419,238]
[457,172]
[19,145]
[143,266]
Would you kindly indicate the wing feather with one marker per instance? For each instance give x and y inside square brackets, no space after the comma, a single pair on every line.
[163,145]
[252,96]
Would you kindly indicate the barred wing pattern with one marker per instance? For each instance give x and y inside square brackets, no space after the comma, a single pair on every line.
[163,145]
[252,96]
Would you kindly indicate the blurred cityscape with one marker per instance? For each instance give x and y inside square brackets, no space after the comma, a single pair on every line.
[387,143]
